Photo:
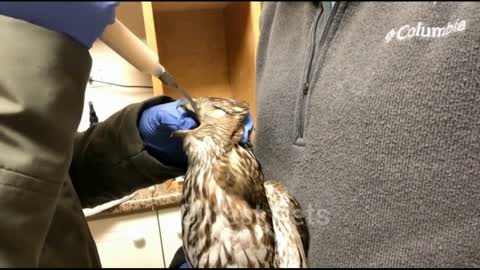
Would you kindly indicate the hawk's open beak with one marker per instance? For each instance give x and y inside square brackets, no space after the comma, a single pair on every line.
[179,133]
[187,106]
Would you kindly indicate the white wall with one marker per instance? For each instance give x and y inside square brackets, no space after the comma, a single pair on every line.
[108,99]
[108,66]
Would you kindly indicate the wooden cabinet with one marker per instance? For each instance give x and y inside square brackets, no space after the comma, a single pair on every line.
[209,47]
[129,241]
[142,240]
[170,223]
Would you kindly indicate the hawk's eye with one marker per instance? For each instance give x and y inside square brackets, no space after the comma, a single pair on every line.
[217,113]
[226,111]
[217,107]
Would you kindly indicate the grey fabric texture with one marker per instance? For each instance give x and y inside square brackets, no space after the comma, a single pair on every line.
[388,167]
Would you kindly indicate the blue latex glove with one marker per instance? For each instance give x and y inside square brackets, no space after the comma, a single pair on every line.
[184,265]
[158,122]
[82,21]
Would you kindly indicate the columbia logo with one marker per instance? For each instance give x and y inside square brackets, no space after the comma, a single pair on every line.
[390,35]
[421,30]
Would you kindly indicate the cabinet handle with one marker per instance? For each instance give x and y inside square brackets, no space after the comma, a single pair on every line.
[139,241]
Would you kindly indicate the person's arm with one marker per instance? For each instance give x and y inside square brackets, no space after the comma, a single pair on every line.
[111,159]
[42,82]
[43,74]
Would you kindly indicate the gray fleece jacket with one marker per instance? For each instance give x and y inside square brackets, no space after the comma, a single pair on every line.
[370,114]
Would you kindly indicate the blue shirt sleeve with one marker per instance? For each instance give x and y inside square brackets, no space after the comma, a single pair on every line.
[82,21]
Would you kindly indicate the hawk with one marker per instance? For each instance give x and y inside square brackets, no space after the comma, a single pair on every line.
[232,216]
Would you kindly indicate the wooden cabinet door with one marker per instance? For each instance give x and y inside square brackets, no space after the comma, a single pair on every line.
[130,241]
[209,47]
[171,229]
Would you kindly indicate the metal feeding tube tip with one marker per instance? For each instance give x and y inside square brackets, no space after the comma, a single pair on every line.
[168,80]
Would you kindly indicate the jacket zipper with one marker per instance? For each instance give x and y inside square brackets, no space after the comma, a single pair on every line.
[306,83]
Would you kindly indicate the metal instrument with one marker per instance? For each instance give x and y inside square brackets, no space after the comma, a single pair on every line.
[126,44]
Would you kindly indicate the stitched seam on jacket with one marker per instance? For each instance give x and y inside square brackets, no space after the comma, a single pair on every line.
[28,176]
[26,189]
[22,188]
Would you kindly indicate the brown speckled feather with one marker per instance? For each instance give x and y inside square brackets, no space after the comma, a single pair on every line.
[231,217]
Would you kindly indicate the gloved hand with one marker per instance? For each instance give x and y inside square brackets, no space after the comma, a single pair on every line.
[158,122]
[82,21]
[178,260]
[184,265]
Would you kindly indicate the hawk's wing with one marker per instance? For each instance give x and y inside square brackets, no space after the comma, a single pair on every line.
[291,231]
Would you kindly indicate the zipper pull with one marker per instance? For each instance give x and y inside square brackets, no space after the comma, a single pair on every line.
[305,88]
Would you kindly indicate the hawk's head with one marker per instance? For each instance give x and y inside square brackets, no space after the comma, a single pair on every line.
[220,121]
